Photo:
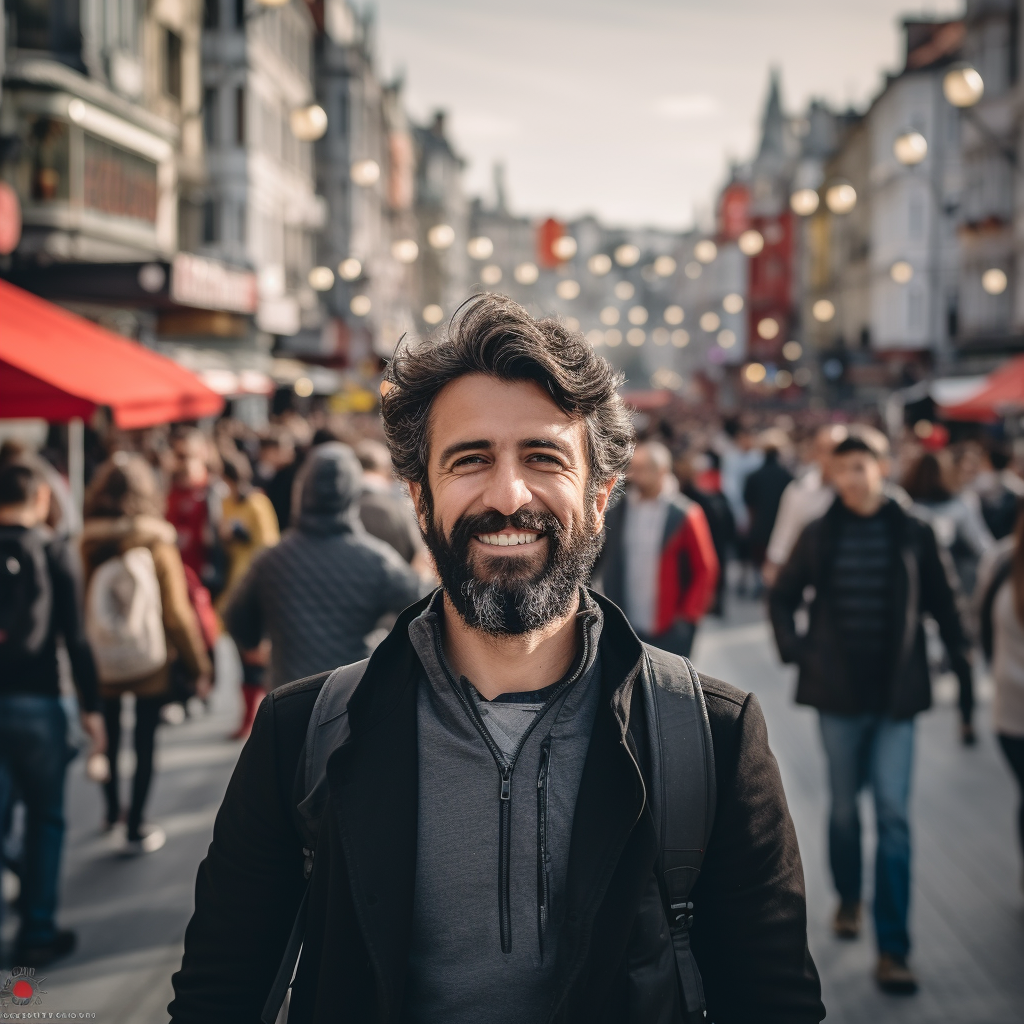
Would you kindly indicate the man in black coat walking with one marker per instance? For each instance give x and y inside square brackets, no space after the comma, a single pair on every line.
[487,848]
[876,571]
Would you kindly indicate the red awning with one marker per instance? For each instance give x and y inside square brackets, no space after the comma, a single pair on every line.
[55,365]
[1002,394]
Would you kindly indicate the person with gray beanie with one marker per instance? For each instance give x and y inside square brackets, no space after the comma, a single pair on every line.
[318,593]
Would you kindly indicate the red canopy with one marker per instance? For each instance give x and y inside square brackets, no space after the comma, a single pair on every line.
[56,366]
[1002,393]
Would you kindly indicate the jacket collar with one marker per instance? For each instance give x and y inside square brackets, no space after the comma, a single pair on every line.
[374,788]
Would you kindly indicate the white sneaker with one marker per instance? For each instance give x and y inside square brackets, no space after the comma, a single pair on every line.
[152,839]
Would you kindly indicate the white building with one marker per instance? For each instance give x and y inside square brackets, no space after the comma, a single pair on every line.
[260,122]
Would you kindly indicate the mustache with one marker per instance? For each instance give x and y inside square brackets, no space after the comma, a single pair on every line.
[523,520]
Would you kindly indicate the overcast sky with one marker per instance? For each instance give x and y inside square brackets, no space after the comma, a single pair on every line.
[629,109]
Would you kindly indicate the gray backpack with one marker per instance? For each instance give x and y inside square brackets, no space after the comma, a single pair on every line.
[682,796]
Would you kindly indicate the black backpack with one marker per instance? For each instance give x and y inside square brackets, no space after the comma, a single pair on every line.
[682,795]
[26,592]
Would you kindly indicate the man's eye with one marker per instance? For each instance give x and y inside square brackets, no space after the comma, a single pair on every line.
[469,460]
[540,457]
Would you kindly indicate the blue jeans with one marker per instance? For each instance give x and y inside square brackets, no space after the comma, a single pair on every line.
[877,751]
[33,759]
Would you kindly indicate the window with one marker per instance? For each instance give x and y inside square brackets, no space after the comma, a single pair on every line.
[31,25]
[172,64]
[210,218]
[118,182]
[915,310]
[210,116]
[240,115]
[211,14]
[341,129]
[915,214]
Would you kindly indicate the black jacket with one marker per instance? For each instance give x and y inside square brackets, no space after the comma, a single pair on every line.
[38,674]
[750,932]
[832,683]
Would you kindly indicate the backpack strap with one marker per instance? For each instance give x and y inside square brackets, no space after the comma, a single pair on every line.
[327,730]
[683,800]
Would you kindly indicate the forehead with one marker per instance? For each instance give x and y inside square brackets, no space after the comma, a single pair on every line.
[480,407]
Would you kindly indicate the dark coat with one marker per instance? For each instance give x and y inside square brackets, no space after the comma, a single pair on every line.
[750,931]
[920,583]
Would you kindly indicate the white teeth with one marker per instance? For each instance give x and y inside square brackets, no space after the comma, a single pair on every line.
[507,540]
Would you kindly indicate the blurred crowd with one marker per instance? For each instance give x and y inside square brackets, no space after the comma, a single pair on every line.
[298,543]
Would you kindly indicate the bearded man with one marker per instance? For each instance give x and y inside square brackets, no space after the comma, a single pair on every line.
[492,832]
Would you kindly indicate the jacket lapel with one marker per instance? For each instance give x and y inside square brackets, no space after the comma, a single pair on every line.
[610,802]
[373,781]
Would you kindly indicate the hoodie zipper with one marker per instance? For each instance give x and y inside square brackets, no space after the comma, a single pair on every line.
[543,895]
[505,769]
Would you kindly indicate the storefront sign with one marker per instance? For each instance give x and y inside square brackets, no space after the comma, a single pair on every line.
[209,284]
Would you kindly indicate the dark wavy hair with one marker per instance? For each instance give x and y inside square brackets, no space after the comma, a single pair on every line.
[495,336]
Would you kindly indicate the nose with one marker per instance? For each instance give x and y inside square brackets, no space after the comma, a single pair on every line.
[506,490]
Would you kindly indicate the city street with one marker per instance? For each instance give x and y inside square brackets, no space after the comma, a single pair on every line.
[968,914]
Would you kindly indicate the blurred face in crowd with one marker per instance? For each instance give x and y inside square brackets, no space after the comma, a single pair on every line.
[645,474]
[190,462]
[859,479]
[507,510]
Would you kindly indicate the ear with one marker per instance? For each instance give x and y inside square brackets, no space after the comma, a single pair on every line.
[601,499]
[416,492]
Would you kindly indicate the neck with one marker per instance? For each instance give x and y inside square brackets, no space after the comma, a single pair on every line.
[869,506]
[510,664]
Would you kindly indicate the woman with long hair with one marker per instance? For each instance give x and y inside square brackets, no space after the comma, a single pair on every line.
[1001,621]
[139,621]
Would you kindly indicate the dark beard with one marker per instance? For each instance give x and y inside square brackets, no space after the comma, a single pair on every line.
[512,600]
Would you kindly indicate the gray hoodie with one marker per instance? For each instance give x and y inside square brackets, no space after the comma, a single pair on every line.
[492,859]
[320,591]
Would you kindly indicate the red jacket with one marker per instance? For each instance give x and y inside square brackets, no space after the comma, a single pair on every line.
[687,571]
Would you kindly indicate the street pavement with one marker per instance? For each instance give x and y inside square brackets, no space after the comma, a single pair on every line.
[967,914]
[968,908]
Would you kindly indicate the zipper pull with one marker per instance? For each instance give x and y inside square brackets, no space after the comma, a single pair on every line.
[506,784]
[545,752]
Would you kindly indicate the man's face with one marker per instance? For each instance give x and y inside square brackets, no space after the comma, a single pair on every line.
[507,511]
[645,475]
[858,478]
[189,463]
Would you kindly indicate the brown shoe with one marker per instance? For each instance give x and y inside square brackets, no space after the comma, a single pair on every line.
[894,975]
[846,924]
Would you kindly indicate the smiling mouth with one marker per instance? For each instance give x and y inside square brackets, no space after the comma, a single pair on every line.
[508,540]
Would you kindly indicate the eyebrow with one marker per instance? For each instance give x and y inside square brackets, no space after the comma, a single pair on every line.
[464,446]
[484,445]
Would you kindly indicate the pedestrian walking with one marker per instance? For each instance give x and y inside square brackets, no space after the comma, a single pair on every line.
[805,499]
[1000,607]
[384,511]
[275,472]
[958,524]
[700,481]
[248,525]
[998,488]
[193,508]
[39,607]
[659,563]
[498,826]
[318,593]
[762,493]
[139,621]
[876,571]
